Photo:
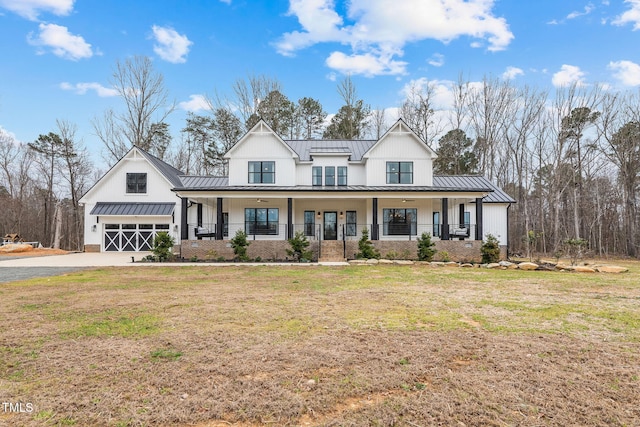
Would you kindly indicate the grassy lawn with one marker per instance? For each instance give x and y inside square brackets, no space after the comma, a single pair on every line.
[322,346]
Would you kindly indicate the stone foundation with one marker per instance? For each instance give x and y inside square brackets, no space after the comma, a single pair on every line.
[276,250]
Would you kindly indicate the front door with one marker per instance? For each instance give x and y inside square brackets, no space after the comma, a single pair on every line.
[331,226]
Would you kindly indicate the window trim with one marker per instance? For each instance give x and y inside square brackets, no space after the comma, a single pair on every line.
[330,176]
[342,176]
[309,226]
[134,179]
[261,174]
[410,225]
[436,224]
[353,231]
[396,177]
[269,227]
[316,176]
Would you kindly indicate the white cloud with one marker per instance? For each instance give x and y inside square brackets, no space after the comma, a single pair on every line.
[61,42]
[436,60]
[631,16]
[367,64]
[171,46]
[568,74]
[512,72]
[7,136]
[379,28]
[626,71]
[196,103]
[83,88]
[587,10]
[30,9]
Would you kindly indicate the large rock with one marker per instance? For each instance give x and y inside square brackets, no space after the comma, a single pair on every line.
[358,261]
[583,269]
[403,262]
[611,269]
[466,265]
[507,264]
[436,264]
[527,266]
[385,261]
[373,261]
[492,265]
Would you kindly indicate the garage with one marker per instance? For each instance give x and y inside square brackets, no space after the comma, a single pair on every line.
[130,236]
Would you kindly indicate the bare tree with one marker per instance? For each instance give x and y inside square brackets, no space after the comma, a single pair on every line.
[250,92]
[419,112]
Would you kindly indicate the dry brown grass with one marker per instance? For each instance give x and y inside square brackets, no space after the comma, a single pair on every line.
[322,346]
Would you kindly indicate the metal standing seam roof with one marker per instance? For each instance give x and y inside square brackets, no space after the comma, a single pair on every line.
[460,181]
[305,148]
[168,171]
[201,181]
[126,208]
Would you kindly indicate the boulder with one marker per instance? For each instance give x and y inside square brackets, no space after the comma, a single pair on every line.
[385,261]
[611,269]
[507,264]
[358,261]
[436,264]
[492,265]
[527,266]
[403,262]
[583,269]
[466,265]
[373,261]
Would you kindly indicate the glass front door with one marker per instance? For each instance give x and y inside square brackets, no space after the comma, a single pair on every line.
[331,226]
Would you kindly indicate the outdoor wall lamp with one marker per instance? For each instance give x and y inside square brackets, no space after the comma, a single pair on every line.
[318,214]
[94,228]
[175,228]
[341,215]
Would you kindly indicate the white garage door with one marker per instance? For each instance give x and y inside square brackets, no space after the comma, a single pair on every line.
[131,237]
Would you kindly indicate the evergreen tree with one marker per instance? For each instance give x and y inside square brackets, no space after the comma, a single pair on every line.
[455,155]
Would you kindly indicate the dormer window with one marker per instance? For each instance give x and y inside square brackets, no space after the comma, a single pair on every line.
[399,172]
[262,172]
[136,183]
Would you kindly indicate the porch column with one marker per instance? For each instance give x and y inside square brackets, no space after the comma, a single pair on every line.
[219,219]
[479,231]
[199,219]
[289,218]
[184,227]
[374,227]
[444,235]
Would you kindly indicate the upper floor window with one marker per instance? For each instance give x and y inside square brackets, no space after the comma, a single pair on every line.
[316,175]
[262,172]
[136,183]
[342,175]
[330,176]
[399,172]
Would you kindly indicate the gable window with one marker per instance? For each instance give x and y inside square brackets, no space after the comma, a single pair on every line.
[400,222]
[342,175]
[330,176]
[261,221]
[352,223]
[316,175]
[262,172]
[136,183]
[309,223]
[399,172]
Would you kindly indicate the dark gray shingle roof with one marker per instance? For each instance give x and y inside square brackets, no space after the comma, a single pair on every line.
[125,208]
[474,181]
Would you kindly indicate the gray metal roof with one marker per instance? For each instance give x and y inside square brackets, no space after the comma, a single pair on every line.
[305,148]
[460,181]
[169,172]
[196,182]
[340,189]
[125,208]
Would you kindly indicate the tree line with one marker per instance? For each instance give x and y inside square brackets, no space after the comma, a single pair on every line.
[571,159]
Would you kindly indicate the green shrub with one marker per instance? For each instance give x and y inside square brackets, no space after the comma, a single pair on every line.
[575,249]
[299,245]
[366,248]
[163,246]
[239,243]
[490,249]
[426,248]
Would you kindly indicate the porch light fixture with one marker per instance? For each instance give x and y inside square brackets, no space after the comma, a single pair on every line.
[341,214]
[94,228]
[175,228]
[318,214]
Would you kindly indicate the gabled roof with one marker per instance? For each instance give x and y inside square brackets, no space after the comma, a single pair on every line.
[306,148]
[171,174]
[260,128]
[398,125]
[474,181]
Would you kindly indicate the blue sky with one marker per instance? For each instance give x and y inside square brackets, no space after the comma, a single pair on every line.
[58,55]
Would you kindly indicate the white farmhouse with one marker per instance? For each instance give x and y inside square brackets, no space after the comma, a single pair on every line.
[331,190]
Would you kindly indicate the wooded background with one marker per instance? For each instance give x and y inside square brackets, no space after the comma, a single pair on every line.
[571,159]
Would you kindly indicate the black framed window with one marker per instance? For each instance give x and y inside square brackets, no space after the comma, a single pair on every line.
[330,176]
[136,183]
[262,172]
[400,222]
[436,224]
[399,172]
[352,223]
[342,175]
[309,223]
[261,221]
[316,175]
[225,224]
